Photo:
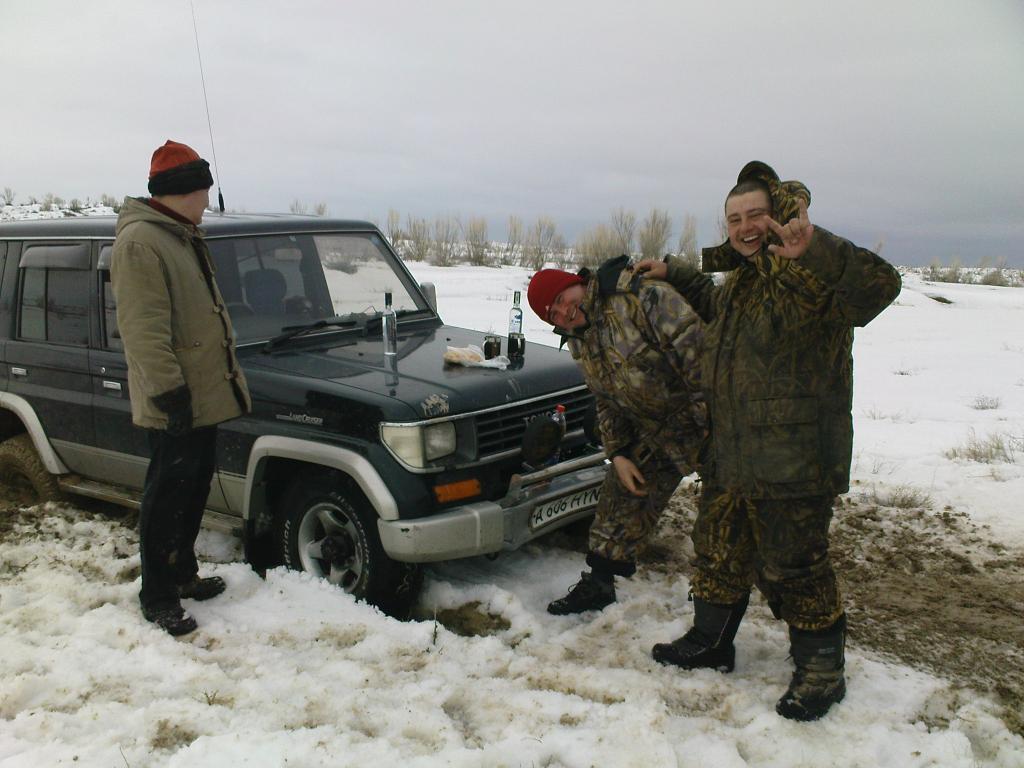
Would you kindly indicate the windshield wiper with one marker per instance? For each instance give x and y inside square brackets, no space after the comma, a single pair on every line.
[375,320]
[291,331]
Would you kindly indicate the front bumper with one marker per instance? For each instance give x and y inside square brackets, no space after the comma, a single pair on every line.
[490,526]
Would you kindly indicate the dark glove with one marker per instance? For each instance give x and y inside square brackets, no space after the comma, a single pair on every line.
[177,404]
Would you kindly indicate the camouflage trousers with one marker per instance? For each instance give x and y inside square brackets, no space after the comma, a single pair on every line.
[779,545]
[623,521]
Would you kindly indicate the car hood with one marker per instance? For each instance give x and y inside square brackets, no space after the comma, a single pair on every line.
[420,378]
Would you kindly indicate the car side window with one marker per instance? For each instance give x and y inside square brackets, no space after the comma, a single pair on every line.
[55,294]
[110,334]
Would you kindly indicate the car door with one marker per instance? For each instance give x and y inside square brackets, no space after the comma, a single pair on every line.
[124,446]
[48,354]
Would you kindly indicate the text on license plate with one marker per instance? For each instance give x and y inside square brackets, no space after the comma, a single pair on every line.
[549,511]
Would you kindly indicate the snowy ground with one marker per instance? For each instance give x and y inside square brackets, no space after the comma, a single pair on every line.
[287,671]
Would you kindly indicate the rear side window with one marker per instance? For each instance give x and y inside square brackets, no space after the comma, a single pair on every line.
[111,335]
[55,294]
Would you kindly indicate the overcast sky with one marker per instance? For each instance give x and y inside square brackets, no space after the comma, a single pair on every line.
[905,119]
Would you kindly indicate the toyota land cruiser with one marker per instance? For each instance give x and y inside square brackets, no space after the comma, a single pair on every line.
[348,468]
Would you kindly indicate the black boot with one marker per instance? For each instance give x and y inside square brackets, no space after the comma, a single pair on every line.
[202,589]
[591,593]
[171,618]
[818,681]
[708,644]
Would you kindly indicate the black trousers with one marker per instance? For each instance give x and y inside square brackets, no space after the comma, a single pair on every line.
[173,500]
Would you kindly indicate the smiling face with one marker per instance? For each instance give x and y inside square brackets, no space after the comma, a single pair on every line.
[746,215]
[565,310]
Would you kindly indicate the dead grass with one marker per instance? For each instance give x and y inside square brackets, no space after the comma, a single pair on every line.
[998,447]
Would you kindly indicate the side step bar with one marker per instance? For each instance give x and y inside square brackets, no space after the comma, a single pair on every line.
[125,497]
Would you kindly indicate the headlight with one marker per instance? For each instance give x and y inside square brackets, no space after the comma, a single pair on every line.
[417,445]
[439,440]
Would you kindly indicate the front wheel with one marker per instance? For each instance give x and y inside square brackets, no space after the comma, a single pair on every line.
[26,478]
[328,529]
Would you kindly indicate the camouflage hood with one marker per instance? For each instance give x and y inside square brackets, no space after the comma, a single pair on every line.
[785,198]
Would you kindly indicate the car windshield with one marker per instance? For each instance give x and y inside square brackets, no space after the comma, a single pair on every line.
[278,281]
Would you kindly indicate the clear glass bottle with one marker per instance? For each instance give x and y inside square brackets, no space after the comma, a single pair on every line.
[389,328]
[516,340]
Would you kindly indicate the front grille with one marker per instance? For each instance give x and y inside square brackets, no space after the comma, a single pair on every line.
[501,429]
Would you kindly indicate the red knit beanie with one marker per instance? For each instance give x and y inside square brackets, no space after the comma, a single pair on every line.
[545,287]
[177,169]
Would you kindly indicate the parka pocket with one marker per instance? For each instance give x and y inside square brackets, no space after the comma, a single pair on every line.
[785,446]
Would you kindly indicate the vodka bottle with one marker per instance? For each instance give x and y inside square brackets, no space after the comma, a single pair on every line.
[516,340]
[558,417]
[389,328]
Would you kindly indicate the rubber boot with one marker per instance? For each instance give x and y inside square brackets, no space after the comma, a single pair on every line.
[591,593]
[818,680]
[708,644]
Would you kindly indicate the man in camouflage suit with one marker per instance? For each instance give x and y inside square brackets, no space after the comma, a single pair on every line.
[777,367]
[637,344]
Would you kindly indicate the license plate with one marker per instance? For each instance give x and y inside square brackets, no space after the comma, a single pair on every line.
[550,511]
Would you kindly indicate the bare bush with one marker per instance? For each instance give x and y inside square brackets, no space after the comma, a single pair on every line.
[48,202]
[687,248]
[985,403]
[537,248]
[109,201]
[446,238]
[954,273]
[394,227]
[75,205]
[996,276]
[597,245]
[417,239]
[320,209]
[624,226]
[511,251]
[654,232]
[8,196]
[474,234]
[561,253]
[902,497]
[298,207]
[997,447]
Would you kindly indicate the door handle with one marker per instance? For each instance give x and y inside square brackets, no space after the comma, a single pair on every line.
[16,371]
[114,386]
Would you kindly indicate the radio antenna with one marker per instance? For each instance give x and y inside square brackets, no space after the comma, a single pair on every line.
[209,123]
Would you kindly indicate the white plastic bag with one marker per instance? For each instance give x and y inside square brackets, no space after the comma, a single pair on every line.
[473,357]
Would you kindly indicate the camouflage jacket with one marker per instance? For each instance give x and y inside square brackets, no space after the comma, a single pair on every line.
[778,363]
[641,341]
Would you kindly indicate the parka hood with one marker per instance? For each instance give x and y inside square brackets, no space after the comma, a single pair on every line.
[135,210]
[785,205]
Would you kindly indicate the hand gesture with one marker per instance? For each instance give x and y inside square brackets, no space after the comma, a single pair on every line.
[629,476]
[657,270]
[795,235]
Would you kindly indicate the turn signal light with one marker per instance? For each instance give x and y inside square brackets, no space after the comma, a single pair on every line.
[463,489]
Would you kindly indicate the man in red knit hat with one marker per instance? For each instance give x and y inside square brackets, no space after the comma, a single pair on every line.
[636,342]
[183,375]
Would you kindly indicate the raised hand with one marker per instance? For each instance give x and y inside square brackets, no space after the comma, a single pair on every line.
[795,234]
[657,270]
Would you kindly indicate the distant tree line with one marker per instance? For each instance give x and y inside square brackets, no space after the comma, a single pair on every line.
[452,239]
[448,240]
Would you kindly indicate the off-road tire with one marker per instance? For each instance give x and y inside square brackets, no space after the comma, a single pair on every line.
[325,510]
[22,472]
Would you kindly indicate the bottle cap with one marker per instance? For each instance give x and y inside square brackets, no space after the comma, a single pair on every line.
[560,408]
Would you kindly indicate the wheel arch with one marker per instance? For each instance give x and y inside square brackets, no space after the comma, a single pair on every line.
[16,416]
[273,456]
